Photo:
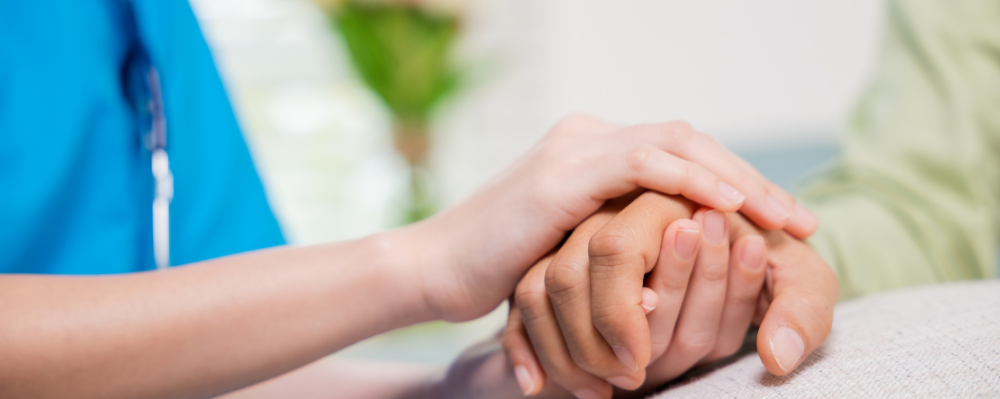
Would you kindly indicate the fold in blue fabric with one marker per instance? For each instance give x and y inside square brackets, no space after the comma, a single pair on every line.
[76,188]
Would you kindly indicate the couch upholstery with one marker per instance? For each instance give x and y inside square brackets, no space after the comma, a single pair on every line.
[925,342]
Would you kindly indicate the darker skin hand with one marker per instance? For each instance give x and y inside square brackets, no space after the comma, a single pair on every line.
[579,310]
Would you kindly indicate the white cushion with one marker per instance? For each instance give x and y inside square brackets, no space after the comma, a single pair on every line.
[926,342]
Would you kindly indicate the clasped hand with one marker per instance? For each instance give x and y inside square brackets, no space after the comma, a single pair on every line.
[649,283]
[640,293]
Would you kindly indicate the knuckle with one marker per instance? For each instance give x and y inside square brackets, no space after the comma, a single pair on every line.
[590,359]
[531,283]
[572,123]
[615,251]
[674,285]
[637,158]
[689,173]
[533,311]
[788,197]
[696,344]
[680,126]
[698,141]
[611,317]
[528,297]
[746,300]
[715,272]
[611,243]
[681,132]
[564,275]
[532,301]
[703,138]
[727,348]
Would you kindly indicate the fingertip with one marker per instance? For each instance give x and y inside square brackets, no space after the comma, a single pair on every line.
[731,197]
[625,356]
[593,393]
[699,215]
[524,380]
[798,320]
[752,253]
[785,350]
[686,242]
[714,224]
[527,372]
[778,209]
[803,222]
[685,224]
[649,300]
[628,382]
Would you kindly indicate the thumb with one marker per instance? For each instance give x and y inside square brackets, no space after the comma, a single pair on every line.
[801,314]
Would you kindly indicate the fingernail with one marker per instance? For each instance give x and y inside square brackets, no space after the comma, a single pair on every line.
[730,193]
[787,348]
[777,207]
[586,394]
[715,226]
[623,382]
[753,253]
[625,357]
[524,380]
[649,300]
[806,216]
[686,243]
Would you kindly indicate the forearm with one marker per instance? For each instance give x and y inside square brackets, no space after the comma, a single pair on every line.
[203,329]
[350,379]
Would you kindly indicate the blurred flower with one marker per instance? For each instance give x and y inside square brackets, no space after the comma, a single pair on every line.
[402,51]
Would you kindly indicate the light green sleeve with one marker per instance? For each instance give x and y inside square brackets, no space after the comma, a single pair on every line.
[915,196]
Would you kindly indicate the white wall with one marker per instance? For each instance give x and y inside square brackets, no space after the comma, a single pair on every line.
[750,73]
[743,70]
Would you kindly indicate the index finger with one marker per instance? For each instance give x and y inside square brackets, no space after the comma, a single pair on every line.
[766,204]
[620,254]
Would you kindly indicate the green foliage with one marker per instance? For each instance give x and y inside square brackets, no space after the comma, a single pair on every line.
[403,53]
[421,205]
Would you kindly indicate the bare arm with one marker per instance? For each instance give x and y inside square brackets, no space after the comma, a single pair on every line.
[203,329]
[349,379]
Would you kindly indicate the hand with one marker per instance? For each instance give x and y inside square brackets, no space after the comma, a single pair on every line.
[797,303]
[579,165]
[567,331]
[699,336]
[794,311]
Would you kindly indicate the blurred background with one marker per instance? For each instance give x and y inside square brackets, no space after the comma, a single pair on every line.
[770,79]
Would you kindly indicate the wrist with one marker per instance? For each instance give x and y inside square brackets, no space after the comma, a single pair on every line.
[397,259]
[436,251]
[430,265]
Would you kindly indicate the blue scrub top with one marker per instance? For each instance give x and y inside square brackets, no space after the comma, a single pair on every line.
[76,188]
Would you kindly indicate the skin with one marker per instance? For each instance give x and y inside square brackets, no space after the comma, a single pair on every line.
[486,371]
[717,298]
[213,327]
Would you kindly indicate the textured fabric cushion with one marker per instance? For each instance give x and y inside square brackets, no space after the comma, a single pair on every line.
[926,342]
